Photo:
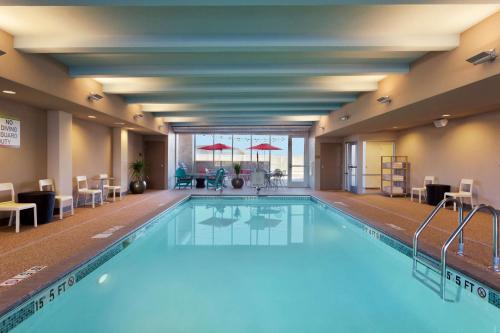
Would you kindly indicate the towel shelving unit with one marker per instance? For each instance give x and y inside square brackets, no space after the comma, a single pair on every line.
[395,174]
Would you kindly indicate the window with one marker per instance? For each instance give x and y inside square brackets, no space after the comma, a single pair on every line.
[223,158]
[261,155]
[194,159]
[279,158]
[241,153]
[203,158]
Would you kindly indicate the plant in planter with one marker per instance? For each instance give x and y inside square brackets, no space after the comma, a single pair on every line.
[138,183]
[237,182]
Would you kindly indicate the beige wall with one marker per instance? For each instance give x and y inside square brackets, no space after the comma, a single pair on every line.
[135,147]
[26,165]
[466,148]
[92,146]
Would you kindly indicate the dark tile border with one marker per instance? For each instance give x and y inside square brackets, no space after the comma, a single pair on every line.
[20,312]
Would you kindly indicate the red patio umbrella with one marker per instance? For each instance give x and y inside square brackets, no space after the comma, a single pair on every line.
[263,146]
[216,146]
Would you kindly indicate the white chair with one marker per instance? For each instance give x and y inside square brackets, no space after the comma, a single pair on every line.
[464,191]
[83,188]
[13,206]
[62,200]
[421,190]
[110,188]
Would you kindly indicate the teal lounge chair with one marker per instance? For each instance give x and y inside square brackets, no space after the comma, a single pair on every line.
[216,181]
[182,179]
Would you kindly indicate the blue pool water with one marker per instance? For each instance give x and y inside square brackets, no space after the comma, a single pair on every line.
[262,265]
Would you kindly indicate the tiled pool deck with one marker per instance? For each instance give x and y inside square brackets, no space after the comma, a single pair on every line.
[63,245]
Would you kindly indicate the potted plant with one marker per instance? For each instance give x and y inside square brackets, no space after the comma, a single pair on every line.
[138,183]
[237,182]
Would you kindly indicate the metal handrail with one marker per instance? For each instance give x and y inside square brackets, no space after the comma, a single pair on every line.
[495,258]
[429,219]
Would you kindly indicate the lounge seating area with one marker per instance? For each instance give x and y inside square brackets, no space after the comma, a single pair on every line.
[440,191]
[90,196]
[219,178]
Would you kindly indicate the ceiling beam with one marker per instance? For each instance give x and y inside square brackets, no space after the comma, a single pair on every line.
[227,114]
[237,71]
[141,44]
[231,3]
[184,100]
[333,101]
[278,120]
[234,108]
[125,89]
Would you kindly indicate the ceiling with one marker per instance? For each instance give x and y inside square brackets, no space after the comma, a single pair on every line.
[238,62]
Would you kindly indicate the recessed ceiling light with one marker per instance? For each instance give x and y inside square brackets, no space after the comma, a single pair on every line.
[446,115]
[131,128]
[9,92]
[119,123]
[92,117]
[345,117]
[395,127]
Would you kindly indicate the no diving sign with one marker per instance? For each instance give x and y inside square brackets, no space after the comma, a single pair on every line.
[10,132]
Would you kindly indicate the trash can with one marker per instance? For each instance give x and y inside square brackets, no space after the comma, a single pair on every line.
[435,193]
[44,200]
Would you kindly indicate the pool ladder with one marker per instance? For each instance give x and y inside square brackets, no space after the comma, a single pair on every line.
[440,267]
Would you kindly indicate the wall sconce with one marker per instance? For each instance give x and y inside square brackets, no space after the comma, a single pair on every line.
[1,53]
[94,97]
[138,116]
[384,100]
[483,57]
[438,123]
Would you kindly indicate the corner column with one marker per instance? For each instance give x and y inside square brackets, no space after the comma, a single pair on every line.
[120,158]
[59,151]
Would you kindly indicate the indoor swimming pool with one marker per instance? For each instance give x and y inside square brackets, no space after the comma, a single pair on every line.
[247,264]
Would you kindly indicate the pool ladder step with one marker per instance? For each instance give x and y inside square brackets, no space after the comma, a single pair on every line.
[428,263]
[440,265]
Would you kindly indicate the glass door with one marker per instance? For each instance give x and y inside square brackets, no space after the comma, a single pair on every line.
[351,167]
[297,161]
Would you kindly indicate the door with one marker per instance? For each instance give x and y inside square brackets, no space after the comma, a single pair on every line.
[331,166]
[372,152]
[351,167]
[296,161]
[154,156]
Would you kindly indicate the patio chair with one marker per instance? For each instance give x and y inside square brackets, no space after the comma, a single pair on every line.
[110,188]
[62,200]
[12,206]
[258,179]
[217,181]
[423,189]
[277,178]
[464,191]
[83,189]
[182,179]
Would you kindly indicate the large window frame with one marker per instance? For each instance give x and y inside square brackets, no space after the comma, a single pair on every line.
[280,159]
